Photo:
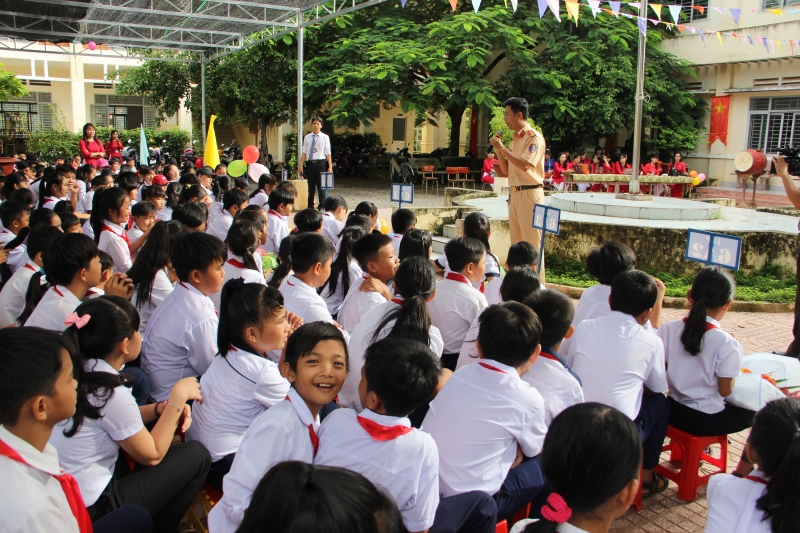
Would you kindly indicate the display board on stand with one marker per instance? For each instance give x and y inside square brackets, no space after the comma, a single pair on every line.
[713,249]
[548,220]
[402,193]
[325,183]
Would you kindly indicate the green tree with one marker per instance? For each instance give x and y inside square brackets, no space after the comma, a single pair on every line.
[10,86]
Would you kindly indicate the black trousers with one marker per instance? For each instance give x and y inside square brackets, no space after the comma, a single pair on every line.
[652,421]
[730,420]
[312,174]
[127,519]
[471,512]
[165,490]
[794,348]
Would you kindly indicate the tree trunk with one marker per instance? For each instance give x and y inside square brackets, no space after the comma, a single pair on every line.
[456,114]
[262,126]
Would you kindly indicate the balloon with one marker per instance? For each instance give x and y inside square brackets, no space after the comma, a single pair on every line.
[237,168]
[198,162]
[702,177]
[693,173]
[695,181]
[250,154]
[256,170]
[92,45]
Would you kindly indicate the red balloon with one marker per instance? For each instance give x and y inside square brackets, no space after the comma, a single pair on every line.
[250,154]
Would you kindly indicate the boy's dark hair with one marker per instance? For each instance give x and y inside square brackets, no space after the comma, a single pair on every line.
[253,213]
[128,183]
[402,220]
[518,284]
[142,209]
[189,178]
[462,251]
[144,170]
[23,196]
[361,221]
[415,242]
[106,261]
[334,202]
[403,373]
[610,259]
[517,105]
[233,197]
[241,183]
[366,248]
[11,211]
[40,238]
[633,292]
[308,249]
[41,217]
[280,195]
[509,333]
[100,180]
[308,221]
[522,254]
[63,207]
[307,336]
[555,311]
[30,366]
[196,251]
[67,255]
[221,165]
[68,220]
[192,215]
[153,191]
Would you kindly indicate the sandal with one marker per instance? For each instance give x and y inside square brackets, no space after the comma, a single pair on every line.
[658,485]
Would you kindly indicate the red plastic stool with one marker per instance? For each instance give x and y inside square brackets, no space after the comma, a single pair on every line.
[689,449]
[522,513]
[502,527]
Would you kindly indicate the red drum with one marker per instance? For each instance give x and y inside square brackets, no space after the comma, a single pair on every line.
[750,162]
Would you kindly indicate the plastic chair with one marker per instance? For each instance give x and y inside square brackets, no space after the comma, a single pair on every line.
[689,449]
[456,175]
[428,175]
[206,500]
[502,527]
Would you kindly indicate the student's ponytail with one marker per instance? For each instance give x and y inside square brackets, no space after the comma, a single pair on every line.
[242,305]
[36,289]
[242,240]
[415,281]
[174,190]
[220,186]
[105,200]
[285,257]
[776,437]
[713,287]
[340,267]
[266,180]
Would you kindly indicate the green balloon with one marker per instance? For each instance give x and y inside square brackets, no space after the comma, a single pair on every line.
[237,168]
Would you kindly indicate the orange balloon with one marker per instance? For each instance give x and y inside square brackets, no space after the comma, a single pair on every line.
[250,154]
[693,173]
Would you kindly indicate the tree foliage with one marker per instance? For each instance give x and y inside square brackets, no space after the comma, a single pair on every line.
[10,86]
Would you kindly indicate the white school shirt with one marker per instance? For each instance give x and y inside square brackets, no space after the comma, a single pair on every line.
[454,307]
[31,499]
[732,504]
[87,229]
[357,304]
[592,304]
[469,348]
[51,201]
[234,268]
[236,389]
[693,379]
[165,214]
[260,199]
[85,203]
[322,146]
[396,238]
[331,228]
[277,230]
[181,339]
[134,233]
[492,290]
[615,357]
[214,211]
[112,243]
[90,455]
[361,339]
[301,299]
[12,297]
[559,388]
[492,267]
[93,293]
[53,309]
[16,257]
[406,467]
[281,433]
[477,420]
[162,286]
[334,301]
[220,226]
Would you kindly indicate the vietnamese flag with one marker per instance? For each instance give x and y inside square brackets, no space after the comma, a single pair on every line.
[720,107]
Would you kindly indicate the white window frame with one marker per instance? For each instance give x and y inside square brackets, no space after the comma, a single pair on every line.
[788,130]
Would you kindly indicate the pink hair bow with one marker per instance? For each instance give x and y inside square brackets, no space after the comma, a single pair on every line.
[556,509]
[77,321]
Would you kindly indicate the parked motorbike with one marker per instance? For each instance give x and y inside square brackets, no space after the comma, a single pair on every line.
[189,154]
[231,153]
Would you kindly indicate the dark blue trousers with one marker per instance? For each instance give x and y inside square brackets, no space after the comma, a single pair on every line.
[652,421]
[522,485]
[127,519]
[141,384]
[219,470]
[471,512]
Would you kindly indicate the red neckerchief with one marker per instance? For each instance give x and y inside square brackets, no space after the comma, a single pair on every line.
[756,479]
[398,301]
[29,267]
[463,279]
[236,263]
[327,214]
[55,289]
[123,235]
[68,484]
[311,433]
[381,432]
[490,367]
[273,212]
[709,325]
[549,356]
[91,292]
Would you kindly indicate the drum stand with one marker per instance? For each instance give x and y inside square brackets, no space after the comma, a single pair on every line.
[745,177]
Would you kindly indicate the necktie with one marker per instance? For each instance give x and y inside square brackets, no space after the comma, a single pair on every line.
[313,144]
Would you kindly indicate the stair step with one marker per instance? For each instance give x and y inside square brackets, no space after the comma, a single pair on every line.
[439,243]
[450,231]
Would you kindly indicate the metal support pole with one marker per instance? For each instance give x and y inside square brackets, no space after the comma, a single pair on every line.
[637,127]
[203,96]
[300,37]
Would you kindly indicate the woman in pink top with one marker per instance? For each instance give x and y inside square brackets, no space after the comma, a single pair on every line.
[114,146]
[92,149]
[488,167]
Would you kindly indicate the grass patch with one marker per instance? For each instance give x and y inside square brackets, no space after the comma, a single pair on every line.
[772,283]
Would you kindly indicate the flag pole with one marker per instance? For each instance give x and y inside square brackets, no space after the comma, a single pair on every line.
[639,102]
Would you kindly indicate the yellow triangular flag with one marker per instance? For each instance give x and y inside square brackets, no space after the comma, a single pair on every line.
[657,9]
[453,4]
[573,10]
[719,36]
[211,153]
[776,11]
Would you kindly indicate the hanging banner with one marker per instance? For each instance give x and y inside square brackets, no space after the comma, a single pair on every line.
[719,38]
[657,9]
[555,7]
[642,26]
[542,8]
[636,5]
[476,4]
[514,4]
[594,5]
[720,108]
[573,10]
[675,11]
[453,4]
[735,14]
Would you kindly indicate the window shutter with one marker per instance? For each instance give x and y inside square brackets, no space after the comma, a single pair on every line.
[46,112]
[150,119]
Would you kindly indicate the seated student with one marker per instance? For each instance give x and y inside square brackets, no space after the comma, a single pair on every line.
[56,187]
[153,277]
[345,270]
[518,284]
[194,216]
[257,216]
[143,216]
[195,193]
[129,182]
[375,254]
[98,182]
[280,499]
[232,202]
[166,478]
[405,316]
[280,205]
[521,254]
[180,340]
[334,217]
[476,226]
[70,223]
[173,197]
[106,272]
[260,196]
[39,391]
[316,365]
[559,386]
[219,187]
[703,361]
[593,496]
[14,216]
[12,297]
[621,364]
[765,501]
[242,239]
[241,382]
[416,242]
[243,184]
[110,213]
[146,175]
[369,210]
[311,263]
[457,303]
[397,377]
[277,277]
[308,221]
[22,196]
[486,415]
[403,220]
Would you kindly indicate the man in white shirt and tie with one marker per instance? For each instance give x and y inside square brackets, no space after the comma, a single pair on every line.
[317,152]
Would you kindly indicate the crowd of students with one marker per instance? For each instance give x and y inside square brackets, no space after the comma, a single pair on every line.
[347,386]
